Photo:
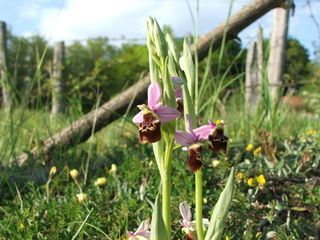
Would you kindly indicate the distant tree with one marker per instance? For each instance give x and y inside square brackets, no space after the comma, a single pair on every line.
[98,69]
[296,64]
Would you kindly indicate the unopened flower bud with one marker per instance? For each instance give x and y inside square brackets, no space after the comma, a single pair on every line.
[74,174]
[113,170]
[82,197]
[53,171]
[100,182]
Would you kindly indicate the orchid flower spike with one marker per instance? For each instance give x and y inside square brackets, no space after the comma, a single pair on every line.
[192,139]
[142,233]
[189,226]
[152,115]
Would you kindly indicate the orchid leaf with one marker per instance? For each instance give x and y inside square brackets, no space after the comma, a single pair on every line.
[158,229]
[220,211]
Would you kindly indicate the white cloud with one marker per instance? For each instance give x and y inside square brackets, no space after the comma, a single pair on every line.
[79,19]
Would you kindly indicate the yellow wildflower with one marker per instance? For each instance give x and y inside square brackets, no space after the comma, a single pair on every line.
[249,147]
[82,197]
[257,151]
[100,182]
[251,182]
[215,163]
[261,180]
[240,176]
[74,174]
[53,171]
[311,132]
[113,170]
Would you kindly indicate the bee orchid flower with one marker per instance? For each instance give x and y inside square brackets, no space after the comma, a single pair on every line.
[192,139]
[142,233]
[189,226]
[152,115]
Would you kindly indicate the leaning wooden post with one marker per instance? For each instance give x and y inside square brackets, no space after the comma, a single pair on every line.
[278,43]
[3,67]
[57,79]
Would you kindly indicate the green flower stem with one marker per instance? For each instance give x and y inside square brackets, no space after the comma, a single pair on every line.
[48,189]
[166,201]
[166,189]
[199,226]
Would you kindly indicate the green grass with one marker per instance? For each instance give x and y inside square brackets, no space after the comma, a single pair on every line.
[118,207]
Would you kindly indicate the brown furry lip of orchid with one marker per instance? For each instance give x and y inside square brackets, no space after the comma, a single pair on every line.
[151,116]
[217,139]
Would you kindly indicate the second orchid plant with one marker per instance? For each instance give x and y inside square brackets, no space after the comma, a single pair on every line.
[169,98]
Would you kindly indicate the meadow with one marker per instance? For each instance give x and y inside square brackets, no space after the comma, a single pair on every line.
[105,187]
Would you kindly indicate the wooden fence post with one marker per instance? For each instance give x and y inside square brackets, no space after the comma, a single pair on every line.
[254,73]
[6,103]
[278,43]
[260,56]
[57,79]
[251,81]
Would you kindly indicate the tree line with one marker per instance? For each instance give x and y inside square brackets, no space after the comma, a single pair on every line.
[95,69]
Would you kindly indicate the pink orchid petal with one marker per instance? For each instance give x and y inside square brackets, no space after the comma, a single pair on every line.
[212,124]
[154,94]
[203,132]
[138,118]
[166,114]
[185,211]
[184,138]
[144,226]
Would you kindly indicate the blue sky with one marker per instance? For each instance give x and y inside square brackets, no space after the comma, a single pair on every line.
[80,19]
